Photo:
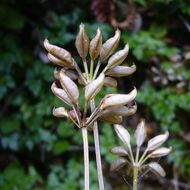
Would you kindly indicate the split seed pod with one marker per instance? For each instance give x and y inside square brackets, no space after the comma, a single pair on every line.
[110,82]
[109,46]
[94,87]
[60,93]
[121,71]
[140,134]
[82,42]
[160,152]
[60,112]
[123,134]
[118,57]
[69,86]
[118,100]
[155,142]
[119,151]
[118,164]
[95,45]
[58,55]
[114,119]
[157,169]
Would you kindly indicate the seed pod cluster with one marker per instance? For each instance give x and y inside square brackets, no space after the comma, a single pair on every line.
[153,150]
[113,107]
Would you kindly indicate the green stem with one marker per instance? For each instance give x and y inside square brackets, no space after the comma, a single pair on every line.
[86,69]
[86,158]
[91,69]
[135,177]
[97,150]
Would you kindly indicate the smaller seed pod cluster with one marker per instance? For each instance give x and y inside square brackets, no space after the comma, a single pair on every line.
[92,78]
[135,159]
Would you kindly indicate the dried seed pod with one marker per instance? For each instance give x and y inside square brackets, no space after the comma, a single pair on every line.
[95,45]
[121,71]
[122,111]
[82,42]
[140,134]
[58,55]
[60,93]
[123,134]
[110,82]
[118,164]
[118,57]
[157,141]
[114,119]
[118,100]
[109,46]
[60,112]
[69,86]
[119,151]
[71,74]
[94,87]
[157,169]
[160,152]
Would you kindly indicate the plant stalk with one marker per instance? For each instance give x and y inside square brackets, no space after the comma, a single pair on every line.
[86,158]
[97,150]
[135,178]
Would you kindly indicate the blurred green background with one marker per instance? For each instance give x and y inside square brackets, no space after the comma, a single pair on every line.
[40,152]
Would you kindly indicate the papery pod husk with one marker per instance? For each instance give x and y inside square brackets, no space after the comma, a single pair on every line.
[60,112]
[61,94]
[157,141]
[110,82]
[122,111]
[157,169]
[123,134]
[56,53]
[69,86]
[121,71]
[82,42]
[118,100]
[119,151]
[114,119]
[160,152]
[118,57]
[109,46]
[140,134]
[118,164]
[95,45]
[71,74]
[94,87]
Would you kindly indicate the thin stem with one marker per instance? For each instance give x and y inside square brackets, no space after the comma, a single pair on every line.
[86,158]
[97,69]
[86,69]
[142,157]
[135,177]
[137,154]
[131,155]
[97,150]
[91,69]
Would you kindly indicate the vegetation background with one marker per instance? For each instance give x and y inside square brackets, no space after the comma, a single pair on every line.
[40,152]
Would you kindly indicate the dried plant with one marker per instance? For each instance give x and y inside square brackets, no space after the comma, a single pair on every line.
[139,162]
[111,108]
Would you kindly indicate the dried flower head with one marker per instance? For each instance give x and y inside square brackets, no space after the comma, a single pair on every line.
[140,161]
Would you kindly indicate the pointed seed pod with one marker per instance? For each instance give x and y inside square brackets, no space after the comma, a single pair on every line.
[122,111]
[118,164]
[110,82]
[109,46]
[113,119]
[69,86]
[119,151]
[140,134]
[123,134]
[157,141]
[121,71]
[60,93]
[157,169]
[118,100]
[71,74]
[118,57]
[160,152]
[60,112]
[95,45]
[58,55]
[94,87]
[82,42]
